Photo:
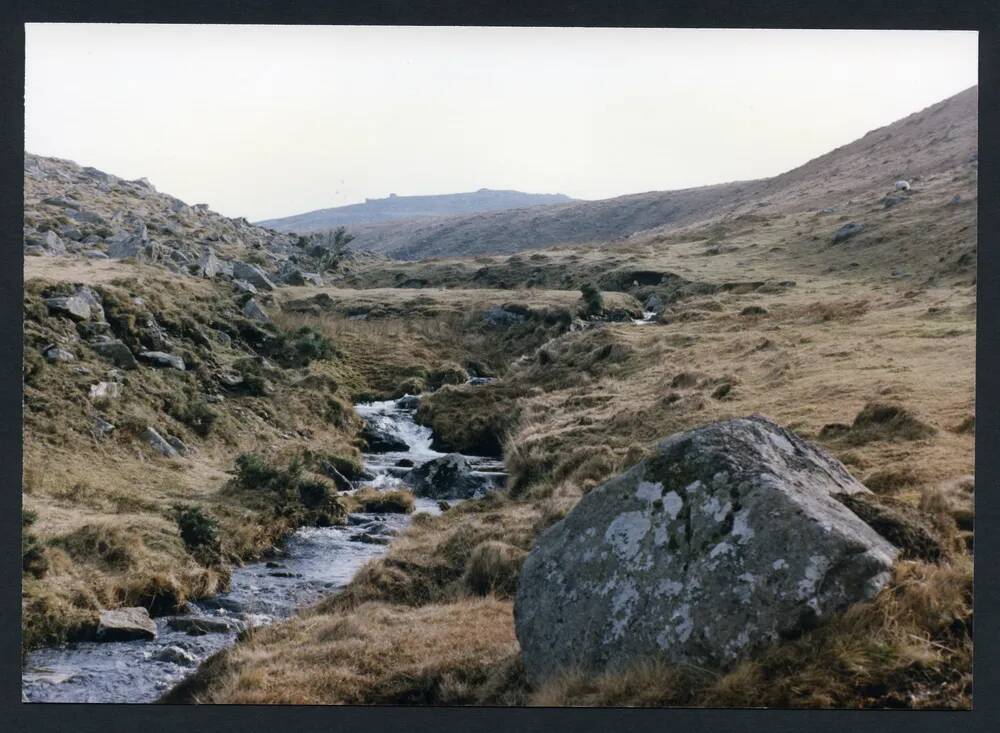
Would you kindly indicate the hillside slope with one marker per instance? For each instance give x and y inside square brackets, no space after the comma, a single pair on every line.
[396,208]
[938,138]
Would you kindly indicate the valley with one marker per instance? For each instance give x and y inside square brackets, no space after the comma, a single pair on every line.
[198,398]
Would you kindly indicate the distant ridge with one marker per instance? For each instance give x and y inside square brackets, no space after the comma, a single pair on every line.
[396,208]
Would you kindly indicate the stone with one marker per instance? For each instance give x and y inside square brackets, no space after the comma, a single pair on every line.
[93,300]
[408,402]
[94,254]
[125,624]
[847,231]
[178,445]
[654,304]
[889,201]
[105,391]
[209,265]
[902,185]
[74,306]
[245,287]
[253,275]
[381,441]
[159,443]
[102,426]
[35,250]
[205,624]
[727,539]
[499,317]
[71,233]
[115,350]
[448,477]
[253,311]
[53,354]
[176,655]
[162,359]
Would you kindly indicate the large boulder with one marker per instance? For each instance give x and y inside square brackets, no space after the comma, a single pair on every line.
[125,624]
[728,538]
[448,477]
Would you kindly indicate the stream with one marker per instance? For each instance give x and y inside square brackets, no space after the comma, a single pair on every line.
[312,563]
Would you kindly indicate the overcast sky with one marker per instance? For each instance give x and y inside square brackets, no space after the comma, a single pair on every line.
[265,121]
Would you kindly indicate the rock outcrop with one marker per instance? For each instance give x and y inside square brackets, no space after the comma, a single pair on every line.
[728,538]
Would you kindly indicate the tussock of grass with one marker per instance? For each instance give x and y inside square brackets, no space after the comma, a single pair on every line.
[384,502]
[493,567]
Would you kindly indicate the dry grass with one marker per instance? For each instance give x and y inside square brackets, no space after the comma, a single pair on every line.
[436,654]
[383,502]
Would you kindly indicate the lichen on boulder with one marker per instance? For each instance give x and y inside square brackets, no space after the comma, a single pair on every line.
[729,537]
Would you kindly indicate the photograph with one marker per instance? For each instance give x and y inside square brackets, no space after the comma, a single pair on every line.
[535,367]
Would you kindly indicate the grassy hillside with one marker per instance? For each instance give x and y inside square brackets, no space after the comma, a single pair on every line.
[936,140]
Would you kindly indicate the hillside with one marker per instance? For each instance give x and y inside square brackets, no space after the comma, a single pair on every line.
[396,208]
[939,138]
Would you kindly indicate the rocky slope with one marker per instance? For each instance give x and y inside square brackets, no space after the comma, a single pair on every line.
[939,138]
[82,212]
[393,208]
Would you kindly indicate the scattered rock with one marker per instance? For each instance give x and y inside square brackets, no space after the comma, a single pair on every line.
[209,265]
[408,402]
[500,317]
[902,185]
[54,354]
[176,655]
[340,480]
[753,310]
[448,477]
[102,427]
[159,443]
[252,274]
[727,539]
[889,201]
[381,441]
[369,539]
[244,286]
[125,624]
[162,359]
[847,231]
[76,306]
[253,311]
[114,350]
[654,304]
[198,625]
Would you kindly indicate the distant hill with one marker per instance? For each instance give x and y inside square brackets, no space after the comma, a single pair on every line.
[396,208]
[932,140]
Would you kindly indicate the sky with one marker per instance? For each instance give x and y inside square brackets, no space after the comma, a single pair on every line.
[268,121]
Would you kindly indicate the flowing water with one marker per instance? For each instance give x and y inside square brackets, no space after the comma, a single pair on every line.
[313,562]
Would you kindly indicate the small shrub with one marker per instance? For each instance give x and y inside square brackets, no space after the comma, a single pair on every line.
[592,301]
[199,531]
[196,414]
[33,559]
[254,472]
[449,373]
[313,493]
